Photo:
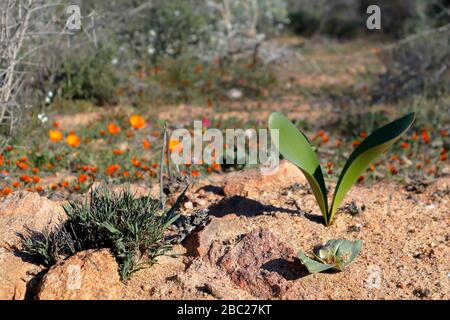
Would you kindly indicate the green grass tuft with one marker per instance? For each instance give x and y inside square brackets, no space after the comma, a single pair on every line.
[132,227]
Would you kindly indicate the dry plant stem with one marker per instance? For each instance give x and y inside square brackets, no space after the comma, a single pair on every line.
[161,168]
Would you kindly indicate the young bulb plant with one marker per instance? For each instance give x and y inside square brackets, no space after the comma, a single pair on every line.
[335,255]
[295,147]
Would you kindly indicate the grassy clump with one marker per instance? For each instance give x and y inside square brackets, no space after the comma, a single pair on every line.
[131,227]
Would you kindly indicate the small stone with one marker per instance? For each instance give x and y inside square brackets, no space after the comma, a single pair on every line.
[422,293]
[188,205]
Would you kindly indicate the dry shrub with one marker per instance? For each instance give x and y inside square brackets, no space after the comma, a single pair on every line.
[417,65]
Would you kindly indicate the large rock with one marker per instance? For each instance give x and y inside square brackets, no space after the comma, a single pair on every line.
[259,264]
[22,210]
[17,277]
[17,212]
[88,275]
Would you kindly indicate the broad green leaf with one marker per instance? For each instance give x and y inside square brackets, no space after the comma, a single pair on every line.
[312,265]
[348,250]
[335,254]
[295,147]
[374,145]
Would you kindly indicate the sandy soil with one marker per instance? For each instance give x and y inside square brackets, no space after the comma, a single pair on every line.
[405,253]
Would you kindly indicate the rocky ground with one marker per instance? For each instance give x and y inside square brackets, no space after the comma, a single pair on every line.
[241,232]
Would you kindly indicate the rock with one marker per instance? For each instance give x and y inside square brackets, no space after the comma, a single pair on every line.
[17,212]
[253,183]
[17,277]
[260,264]
[88,275]
[218,291]
[23,209]
[199,242]
[189,205]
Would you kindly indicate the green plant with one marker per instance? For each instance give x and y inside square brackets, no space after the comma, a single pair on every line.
[295,147]
[335,254]
[89,75]
[128,225]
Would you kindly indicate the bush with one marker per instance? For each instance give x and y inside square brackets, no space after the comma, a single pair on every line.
[128,225]
[419,66]
[88,75]
[338,18]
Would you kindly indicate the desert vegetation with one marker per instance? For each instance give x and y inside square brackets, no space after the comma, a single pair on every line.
[89,101]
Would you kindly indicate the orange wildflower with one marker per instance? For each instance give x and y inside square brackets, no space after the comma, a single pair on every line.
[64,184]
[94,169]
[6,191]
[82,178]
[443,157]
[113,128]
[372,168]
[215,166]
[360,179]
[22,165]
[135,162]
[356,143]
[38,188]
[110,170]
[175,145]
[15,184]
[404,145]
[73,140]
[25,178]
[9,148]
[363,134]
[414,136]
[425,136]
[137,122]
[147,144]
[195,173]
[139,174]
[118,151]
[35,170]
[36,179]
[77,187]
[55,135]
[444,133]
[325,138]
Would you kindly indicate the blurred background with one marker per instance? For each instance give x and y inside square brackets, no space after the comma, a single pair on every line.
[229,61]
